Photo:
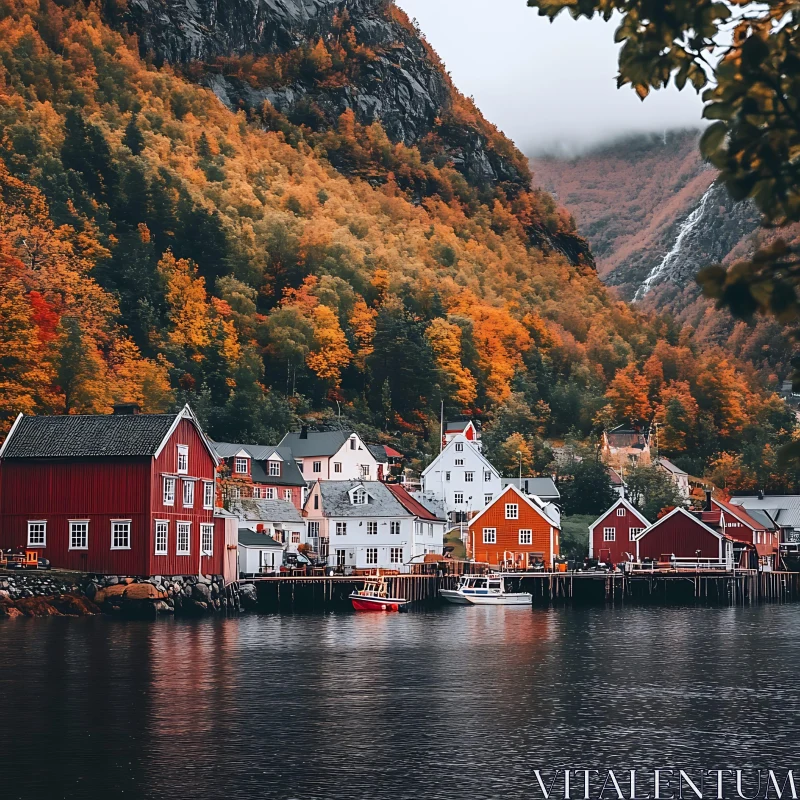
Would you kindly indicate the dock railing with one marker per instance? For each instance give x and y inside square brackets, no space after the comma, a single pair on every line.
[684,565]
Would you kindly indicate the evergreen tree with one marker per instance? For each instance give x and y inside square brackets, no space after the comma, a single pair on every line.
[652,491]
[132,137]
[587,489]
[78,370]
[86,152]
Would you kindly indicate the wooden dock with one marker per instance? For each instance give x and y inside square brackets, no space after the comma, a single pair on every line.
[657,587]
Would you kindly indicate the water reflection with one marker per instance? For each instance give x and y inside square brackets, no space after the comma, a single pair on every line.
[446,704]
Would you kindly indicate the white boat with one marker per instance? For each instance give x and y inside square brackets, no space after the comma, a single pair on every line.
[484,590]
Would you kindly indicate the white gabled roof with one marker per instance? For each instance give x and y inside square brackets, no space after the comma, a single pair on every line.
[621,502]
[187,413]
[538,506]
[679,510]
[459,437]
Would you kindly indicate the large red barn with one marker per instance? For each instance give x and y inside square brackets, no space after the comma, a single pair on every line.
[122,494]
[612,536]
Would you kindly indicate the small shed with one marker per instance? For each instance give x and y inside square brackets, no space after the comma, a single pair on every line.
[258,553]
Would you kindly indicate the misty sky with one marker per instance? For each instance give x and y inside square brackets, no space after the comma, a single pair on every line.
[548,86]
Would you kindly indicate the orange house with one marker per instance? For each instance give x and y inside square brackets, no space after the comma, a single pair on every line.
[515,531]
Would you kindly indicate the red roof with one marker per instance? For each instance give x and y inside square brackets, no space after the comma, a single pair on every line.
[409,503]
[391,452]
[740,513]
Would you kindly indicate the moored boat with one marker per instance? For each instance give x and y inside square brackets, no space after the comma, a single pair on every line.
[484,590]
[374,596]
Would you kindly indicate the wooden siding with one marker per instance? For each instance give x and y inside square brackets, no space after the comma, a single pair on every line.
[507,545]
[615,552]
[680,535]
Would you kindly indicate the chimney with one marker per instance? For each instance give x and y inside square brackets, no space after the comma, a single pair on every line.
[259,528]
[708,501]
[760,494]
[126,409]
[304,432]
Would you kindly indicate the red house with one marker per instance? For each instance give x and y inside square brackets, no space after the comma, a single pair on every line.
[122,494]
[739,525]
[612,536]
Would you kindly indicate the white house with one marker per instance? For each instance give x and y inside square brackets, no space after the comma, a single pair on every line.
[278,519]
[679,476]
[258,553]
[331,455]
[370,525]
[461,478]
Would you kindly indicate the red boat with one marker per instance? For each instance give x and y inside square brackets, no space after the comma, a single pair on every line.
[375,597]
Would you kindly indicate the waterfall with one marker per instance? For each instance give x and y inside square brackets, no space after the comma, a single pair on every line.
[687,226]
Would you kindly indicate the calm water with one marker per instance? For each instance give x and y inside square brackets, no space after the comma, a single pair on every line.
[456,703]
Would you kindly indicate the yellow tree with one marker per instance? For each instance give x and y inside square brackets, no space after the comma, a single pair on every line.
[362,321]
[445,340]
[330,353]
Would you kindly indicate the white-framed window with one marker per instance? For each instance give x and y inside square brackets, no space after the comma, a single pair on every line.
[208,494]
[359,497]
[352,442]
[341,558]
[490,535]
[183,459]
[430,529]
[469,477]
[188,494]
[79,534]
[37,533]
[487,498]
[609,534]
[525,536]
[169,491]
[269,493]
[620,512]
[418,528]
[184,531]
[459,462]
[458,497]
[341,529]
[394,527]
[364,471]
[275,468]
[372,528]
[512,511]
[235,492]
[317,466]
[447,476]
[120,534]
[207,539]
[295,537]
[459,447]
[241,465]
[287,495]
[396,555]
[372,555]
[162,537]
[487,475]
[633,533]
[337,466]
[313,530]
[257,493]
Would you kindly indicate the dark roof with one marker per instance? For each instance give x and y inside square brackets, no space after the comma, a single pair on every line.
[455,425]
[250,538]
[259,455]
[411,503]
[316,443]
[88,436]
[266,510]
[379,452]
[381,502]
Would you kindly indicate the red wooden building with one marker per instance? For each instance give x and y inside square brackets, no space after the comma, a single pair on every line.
[763,535]
[612,536]
[515,531]
[123,494]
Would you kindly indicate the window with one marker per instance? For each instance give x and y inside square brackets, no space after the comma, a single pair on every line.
[183,529]
[235,492]
[169,491]
[396,555]
[316,501]
[188,494]
[372,528]
[317,466]
[79,534]
[487,475]
[458,498]
[525,536]
[633,533]
[337,466]
[459,462]
[340,557]
[609,534]
[208,494]
[447,476]
[241,465]
[469,477]
[353,443]
[430,529]
[490,535]
[257,490]
[359,497]
[269,493]
[365,471]
[394,527]
[287,495]
[512,511]
[275,468]
[372,555]
[299,463]
[37,533]
[459,447]
[120,534]
[341,529]
[162,537]
[183,459]
[313,530]
[207,539]
[620,512]
[418,529]
[487,498]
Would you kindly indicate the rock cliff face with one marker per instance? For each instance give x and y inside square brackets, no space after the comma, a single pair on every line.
[402,84]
